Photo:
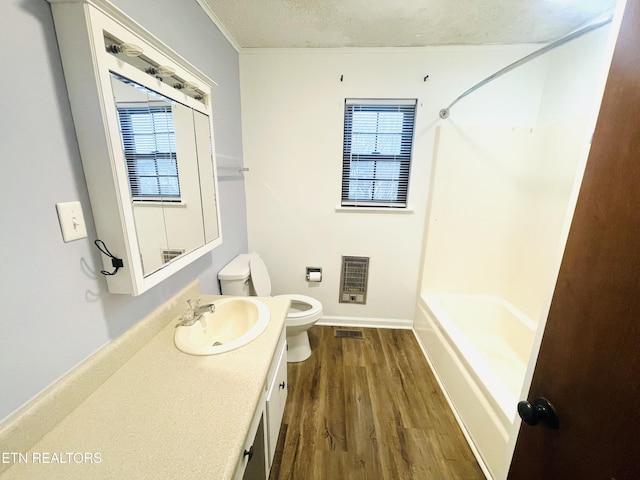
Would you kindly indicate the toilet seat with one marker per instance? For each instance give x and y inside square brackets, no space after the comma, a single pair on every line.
[262,287]
[305,316]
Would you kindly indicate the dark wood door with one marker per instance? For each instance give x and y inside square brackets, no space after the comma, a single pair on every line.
[589,362]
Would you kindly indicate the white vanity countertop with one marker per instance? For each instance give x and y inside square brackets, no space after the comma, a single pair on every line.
[163,415]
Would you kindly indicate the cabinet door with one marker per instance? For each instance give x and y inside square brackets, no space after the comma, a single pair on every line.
[251,461]
[276,399]
[255,461]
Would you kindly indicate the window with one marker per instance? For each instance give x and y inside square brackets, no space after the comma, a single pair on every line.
[149,141]
[150,150]
[376,158]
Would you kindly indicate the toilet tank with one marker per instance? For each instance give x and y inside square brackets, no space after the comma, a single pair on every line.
[234,277]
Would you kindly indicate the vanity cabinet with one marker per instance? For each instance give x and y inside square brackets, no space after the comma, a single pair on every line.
[276,398]
[260,446]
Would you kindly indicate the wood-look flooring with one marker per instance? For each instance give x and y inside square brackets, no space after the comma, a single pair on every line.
[368,409]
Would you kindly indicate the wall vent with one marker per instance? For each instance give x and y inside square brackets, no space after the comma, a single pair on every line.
[354,278]
[168,255]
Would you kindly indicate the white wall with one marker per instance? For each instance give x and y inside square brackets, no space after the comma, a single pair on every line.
[292,120]
[54,306]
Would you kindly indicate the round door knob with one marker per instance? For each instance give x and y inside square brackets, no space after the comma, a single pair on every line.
[539,412]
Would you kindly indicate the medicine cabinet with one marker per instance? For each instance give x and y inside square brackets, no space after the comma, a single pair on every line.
[143,119]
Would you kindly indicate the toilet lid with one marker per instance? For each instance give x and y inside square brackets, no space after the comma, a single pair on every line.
[259,276]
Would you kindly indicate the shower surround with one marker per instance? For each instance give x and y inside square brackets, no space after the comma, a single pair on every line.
[501,202]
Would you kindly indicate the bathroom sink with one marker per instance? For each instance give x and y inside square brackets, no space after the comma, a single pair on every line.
[235,322]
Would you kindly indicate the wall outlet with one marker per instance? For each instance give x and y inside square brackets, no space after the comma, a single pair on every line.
[71,221]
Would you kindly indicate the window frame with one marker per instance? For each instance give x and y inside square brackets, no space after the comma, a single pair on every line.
[402,158]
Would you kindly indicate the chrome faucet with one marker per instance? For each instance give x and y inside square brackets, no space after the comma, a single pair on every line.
[195,311]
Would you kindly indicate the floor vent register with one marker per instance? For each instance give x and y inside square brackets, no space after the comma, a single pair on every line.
[349,334]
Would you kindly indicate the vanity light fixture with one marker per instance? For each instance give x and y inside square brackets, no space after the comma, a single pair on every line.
[190,86]
[160,71]
[129,49]
[165,71]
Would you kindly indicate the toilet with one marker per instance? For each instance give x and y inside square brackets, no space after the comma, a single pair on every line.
[247,275]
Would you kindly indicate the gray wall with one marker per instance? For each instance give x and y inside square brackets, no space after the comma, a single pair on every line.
[54,308]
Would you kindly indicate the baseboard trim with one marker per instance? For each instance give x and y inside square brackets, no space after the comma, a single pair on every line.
[366,322]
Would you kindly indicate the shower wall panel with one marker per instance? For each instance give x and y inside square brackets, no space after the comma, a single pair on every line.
[498,205]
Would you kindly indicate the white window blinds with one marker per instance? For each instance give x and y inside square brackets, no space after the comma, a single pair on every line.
[149,142]
[377,148]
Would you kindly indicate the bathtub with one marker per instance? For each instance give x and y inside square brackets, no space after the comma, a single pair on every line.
[478,347]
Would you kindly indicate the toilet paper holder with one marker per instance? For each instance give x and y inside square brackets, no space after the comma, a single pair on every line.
[314,274]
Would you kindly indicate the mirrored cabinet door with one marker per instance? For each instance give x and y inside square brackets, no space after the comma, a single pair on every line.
[143,118]
[166,149]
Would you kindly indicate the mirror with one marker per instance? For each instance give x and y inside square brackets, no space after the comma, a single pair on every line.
[143,118]
[166,149]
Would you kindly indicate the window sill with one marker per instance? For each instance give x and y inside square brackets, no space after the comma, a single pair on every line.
[394,211]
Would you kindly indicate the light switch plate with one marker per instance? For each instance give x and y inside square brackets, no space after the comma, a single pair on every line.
[71,221]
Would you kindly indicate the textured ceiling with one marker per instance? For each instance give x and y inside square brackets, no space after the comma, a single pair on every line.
[400,23]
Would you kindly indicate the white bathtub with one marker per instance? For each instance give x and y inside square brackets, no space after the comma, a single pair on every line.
[478,347]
